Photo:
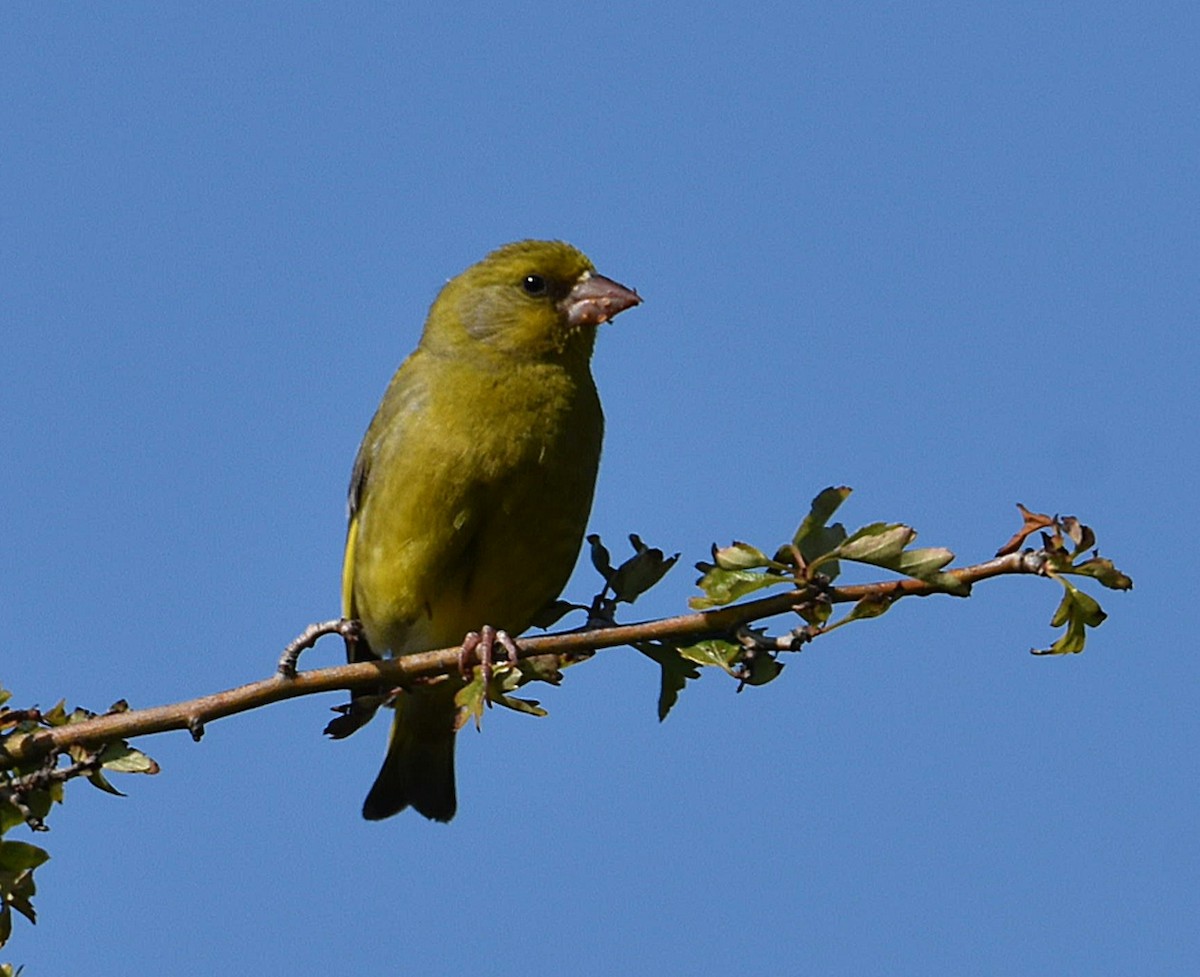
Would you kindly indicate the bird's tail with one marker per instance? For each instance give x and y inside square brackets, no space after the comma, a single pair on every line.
[419,767]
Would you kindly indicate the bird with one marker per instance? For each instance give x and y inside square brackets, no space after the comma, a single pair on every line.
[471,489]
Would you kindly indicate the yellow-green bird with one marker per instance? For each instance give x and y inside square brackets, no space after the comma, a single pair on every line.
[472,487]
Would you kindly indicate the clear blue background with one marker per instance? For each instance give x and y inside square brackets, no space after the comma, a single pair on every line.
[946,254]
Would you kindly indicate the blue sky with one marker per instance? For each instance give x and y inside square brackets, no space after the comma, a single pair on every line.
[943,253]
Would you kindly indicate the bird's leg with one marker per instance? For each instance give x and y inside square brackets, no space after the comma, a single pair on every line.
[482,644]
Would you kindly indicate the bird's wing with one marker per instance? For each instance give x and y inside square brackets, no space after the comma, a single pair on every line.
[405,396]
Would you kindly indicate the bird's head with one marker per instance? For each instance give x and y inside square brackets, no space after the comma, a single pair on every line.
[532,300]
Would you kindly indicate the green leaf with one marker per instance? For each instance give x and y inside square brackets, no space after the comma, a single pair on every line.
[749,667]
[17,891]
[471,700]
[97,779]
[1103,572]
[816,612]
[827,502]
[873,605]
[37,801]
[713,652]
[741,556]
[676,670]
[20,856]
[1078,611]
[883,545]
[531,707]
[726,586]
[18,859]
[814,539]
[473,697]
[506,679]
[120,757]
[760,669]
[879,544]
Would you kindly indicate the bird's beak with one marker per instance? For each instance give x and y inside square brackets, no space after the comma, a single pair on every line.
[596,299]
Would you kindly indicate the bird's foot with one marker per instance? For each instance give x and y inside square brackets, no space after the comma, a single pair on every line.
[348,628]
[481,645]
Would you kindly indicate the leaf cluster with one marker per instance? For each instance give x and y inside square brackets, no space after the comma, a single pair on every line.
[812,560]
[28,789]
[1065,544]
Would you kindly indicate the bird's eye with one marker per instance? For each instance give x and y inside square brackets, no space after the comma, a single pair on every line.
[534,285]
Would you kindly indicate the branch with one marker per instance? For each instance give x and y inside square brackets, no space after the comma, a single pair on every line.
[719,633]
[194,714]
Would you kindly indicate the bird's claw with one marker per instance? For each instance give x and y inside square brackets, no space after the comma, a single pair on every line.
[482,644]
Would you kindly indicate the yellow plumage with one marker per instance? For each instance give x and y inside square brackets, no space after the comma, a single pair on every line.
[472,487]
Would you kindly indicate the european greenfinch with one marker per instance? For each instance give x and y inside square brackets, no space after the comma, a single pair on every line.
[472,487]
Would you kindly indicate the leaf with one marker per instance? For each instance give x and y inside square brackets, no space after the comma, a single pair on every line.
[471,700]
[883,545]
[726,586]
[816,612]
[741,556]
[925,562]
[640,572]
[750,667]
[18,859]
[19,856]
[506,678]
[120,757]
[759,669]
[1079,534]
[877,543]
[827,502]
[541,668]
[713,652]
[553,612]
[97,779]
[531,707]
[1104,572]
[473,697]
[1033,521]
[676,670]
[873,605]
[1078,611]
[814,539]
[17,891]
[38,803]
[601,559]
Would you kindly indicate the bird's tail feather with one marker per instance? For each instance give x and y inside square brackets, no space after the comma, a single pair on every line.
[418,770]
